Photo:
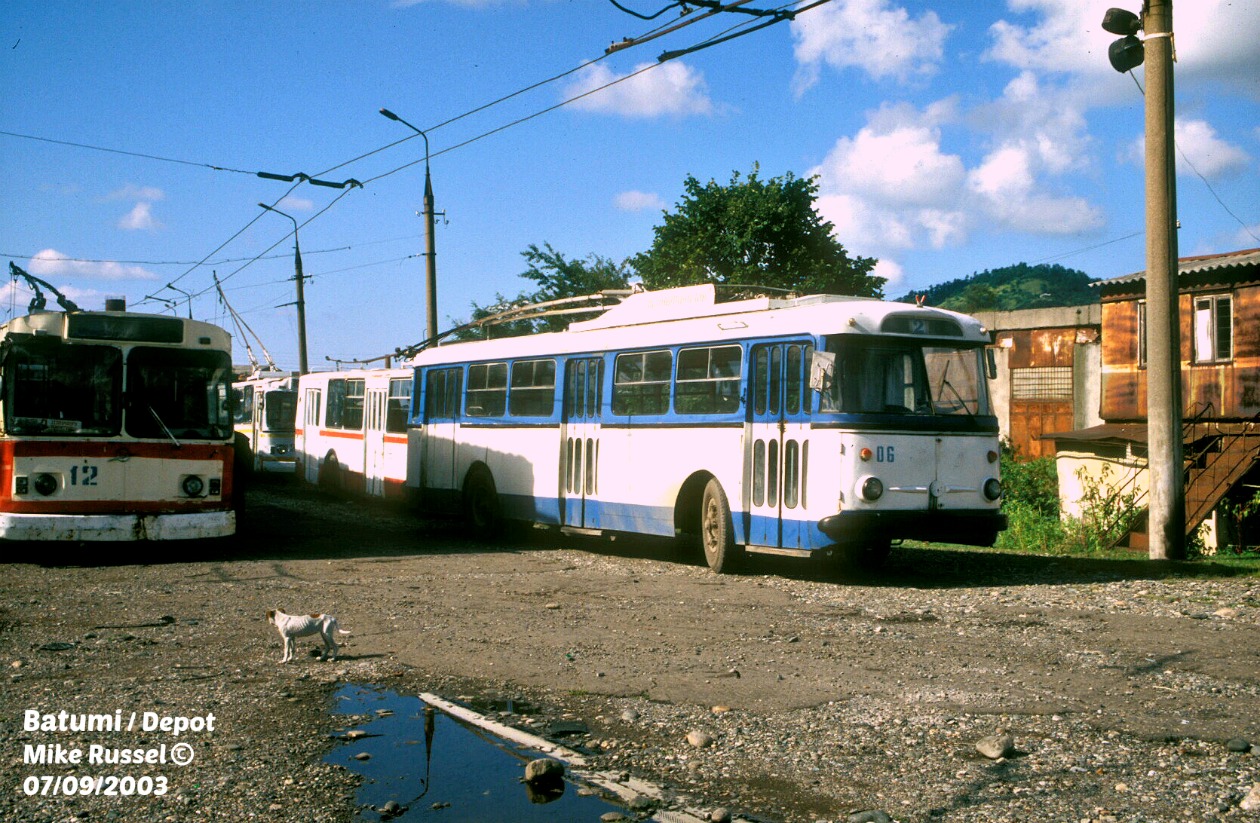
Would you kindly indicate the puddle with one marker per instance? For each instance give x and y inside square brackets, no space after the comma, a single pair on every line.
[438,767]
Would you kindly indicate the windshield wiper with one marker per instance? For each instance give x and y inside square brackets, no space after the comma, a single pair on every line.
[169,433]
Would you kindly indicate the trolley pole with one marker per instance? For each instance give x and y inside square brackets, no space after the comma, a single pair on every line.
[1167,511]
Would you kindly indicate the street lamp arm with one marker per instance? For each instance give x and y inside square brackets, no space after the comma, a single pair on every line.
[396,118]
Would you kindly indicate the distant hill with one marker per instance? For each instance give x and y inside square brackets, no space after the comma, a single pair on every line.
[1020,286]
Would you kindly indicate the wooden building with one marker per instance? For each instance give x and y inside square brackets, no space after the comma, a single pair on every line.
[1048,373]
[1219,311]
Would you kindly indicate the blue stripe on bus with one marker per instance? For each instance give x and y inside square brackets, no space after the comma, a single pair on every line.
[657,521]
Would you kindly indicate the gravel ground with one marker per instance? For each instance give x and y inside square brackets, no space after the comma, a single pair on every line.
[1119,691]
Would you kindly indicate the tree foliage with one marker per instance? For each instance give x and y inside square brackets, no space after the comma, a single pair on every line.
[753,233]
[1020,286]
[555,277]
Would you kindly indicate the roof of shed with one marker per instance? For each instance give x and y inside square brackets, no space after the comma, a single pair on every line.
[1208,269]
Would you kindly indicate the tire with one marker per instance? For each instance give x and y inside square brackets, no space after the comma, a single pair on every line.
[717,535]
[330,474]
[481,505]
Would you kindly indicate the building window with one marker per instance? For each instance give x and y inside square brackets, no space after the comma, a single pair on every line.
[1048,383]
[1213,329]
[1141,333]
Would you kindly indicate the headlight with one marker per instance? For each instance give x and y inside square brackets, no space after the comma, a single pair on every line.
[46,484]
[192,485]
[992,488]
[872,489]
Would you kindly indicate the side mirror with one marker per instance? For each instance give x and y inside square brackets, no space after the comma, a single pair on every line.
[990,363]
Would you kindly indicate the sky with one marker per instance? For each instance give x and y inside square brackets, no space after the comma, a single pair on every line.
[946,139]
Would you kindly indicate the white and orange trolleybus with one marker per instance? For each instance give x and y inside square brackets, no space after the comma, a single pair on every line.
[114,426]
[266,407]
[351,432]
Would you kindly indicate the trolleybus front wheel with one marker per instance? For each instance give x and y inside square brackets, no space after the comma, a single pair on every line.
[716,532]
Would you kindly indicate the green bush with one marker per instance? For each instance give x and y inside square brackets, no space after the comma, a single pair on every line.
[1030,483]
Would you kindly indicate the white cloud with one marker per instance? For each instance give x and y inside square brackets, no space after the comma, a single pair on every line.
[903,166]
[671,88]
[1214,38]
[134,192]
[52,263]
[1006,189]
[1198,143]
[140,218]
[1245,237]
[639,201]
[893,186]
[19,293]
[890,270]
[292,203]
[871,35]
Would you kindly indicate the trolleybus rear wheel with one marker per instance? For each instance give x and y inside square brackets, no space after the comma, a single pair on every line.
[481,503]
[330,474]
[716,532]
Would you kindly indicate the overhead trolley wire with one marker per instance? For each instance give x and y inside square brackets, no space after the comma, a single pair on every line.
[713,9]
[127,153]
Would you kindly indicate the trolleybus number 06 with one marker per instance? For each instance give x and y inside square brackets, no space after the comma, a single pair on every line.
[884,454]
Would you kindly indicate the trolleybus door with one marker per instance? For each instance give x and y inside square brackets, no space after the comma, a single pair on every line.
[443,391]
[374,443]
[778,446]
[579,443]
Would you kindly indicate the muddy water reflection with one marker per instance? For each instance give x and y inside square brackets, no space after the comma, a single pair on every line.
[423,764]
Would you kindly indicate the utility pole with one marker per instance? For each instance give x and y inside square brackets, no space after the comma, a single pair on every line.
[430,255]
[301,299]
[1167,511]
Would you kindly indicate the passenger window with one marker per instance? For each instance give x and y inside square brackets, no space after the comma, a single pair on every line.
[641,383]
[708,380]
[399,405]
[487,390]
[533,388]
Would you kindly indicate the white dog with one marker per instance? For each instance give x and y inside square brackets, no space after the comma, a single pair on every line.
[293,626]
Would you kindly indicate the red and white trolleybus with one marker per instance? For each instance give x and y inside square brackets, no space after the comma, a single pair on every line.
[114,426]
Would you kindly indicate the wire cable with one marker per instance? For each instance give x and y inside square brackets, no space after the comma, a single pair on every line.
[1199,174]
[127,153]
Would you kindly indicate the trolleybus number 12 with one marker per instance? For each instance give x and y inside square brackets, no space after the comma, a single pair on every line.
[83,475]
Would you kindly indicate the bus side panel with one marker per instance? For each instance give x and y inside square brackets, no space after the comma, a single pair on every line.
[519,459]
[655,462]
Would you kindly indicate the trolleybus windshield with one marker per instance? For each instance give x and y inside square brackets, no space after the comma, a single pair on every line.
[52,388]
[174,393]
[885,376]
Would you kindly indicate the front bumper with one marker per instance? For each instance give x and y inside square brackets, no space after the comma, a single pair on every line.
[976,527]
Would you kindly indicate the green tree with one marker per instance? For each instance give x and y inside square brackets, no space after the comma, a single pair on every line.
[1019,286]
[753,233]
[556,277]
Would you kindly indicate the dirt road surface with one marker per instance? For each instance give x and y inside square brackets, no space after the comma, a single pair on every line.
[1129,691]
